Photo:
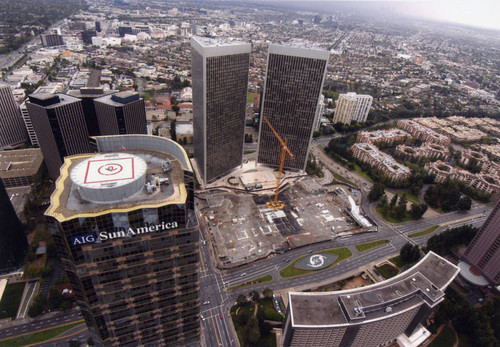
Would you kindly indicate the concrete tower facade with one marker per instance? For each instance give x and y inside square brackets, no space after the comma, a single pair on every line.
[12,129]
[484,249]
[220,84]
[294,81]
[60,128]
[352,107]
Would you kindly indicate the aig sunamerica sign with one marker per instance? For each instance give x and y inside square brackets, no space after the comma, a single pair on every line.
[121,233]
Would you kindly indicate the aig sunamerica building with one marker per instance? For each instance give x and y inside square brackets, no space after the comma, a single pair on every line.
[124,225]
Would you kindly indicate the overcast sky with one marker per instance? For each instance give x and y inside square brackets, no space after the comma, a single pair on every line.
[479,13]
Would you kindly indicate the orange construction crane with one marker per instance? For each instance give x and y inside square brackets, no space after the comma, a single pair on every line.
[275,204]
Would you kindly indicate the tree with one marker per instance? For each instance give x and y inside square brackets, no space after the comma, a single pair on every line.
[394,200]
[464,203]
[55,298]
[409,253]
[255,295]
[173,134]
[417,210]
[267,292]
[252,330]
[241,299]
[376,192]
[90,341]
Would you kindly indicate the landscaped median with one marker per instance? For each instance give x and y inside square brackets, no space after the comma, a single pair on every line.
[342,253]
[266,278]
[363,247]
[425,232]
[40,336]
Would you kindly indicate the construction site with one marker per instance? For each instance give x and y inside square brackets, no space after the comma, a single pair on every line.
[258,210]
[242,227]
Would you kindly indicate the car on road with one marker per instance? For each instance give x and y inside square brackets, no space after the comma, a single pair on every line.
[206,303]
[202,318]
[309,251]
[221,316]
[243,274]
[287,260]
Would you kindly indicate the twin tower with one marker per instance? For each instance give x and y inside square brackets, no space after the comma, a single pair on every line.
[293,85]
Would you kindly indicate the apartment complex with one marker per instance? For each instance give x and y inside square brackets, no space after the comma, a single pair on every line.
[370,154]
[422,132]
[428,150]
[12,130]
[126,231]
[443,171]
[59,124]
[469,156]
[368,316]
[484,250]
[220,83]
[352,107]
[293,84]
[387,137]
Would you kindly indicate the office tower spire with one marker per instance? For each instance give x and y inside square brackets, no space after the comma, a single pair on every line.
[220,83]
[294,80]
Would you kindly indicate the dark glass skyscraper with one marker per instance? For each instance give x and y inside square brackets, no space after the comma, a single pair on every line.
[484,249]
[13,243]
[220,83]
[59,124]
[121,113]
[125,229]
[294,80]
[12,129]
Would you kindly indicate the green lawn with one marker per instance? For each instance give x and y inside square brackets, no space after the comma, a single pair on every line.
[389,218]
[387,271]
[40,336]
[409,196]
[397,261]
[363,247]
[425,232]
[342,253]
[445,338]
[250,98]
[11,299]
[266,278]
[360,171]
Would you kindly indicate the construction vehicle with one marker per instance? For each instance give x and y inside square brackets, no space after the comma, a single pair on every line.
[275,204]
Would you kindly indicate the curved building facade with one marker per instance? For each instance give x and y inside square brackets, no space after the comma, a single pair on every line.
[369,316]
[124,225]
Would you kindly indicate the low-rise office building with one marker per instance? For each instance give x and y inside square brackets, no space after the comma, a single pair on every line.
[20,167]
[368,316]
